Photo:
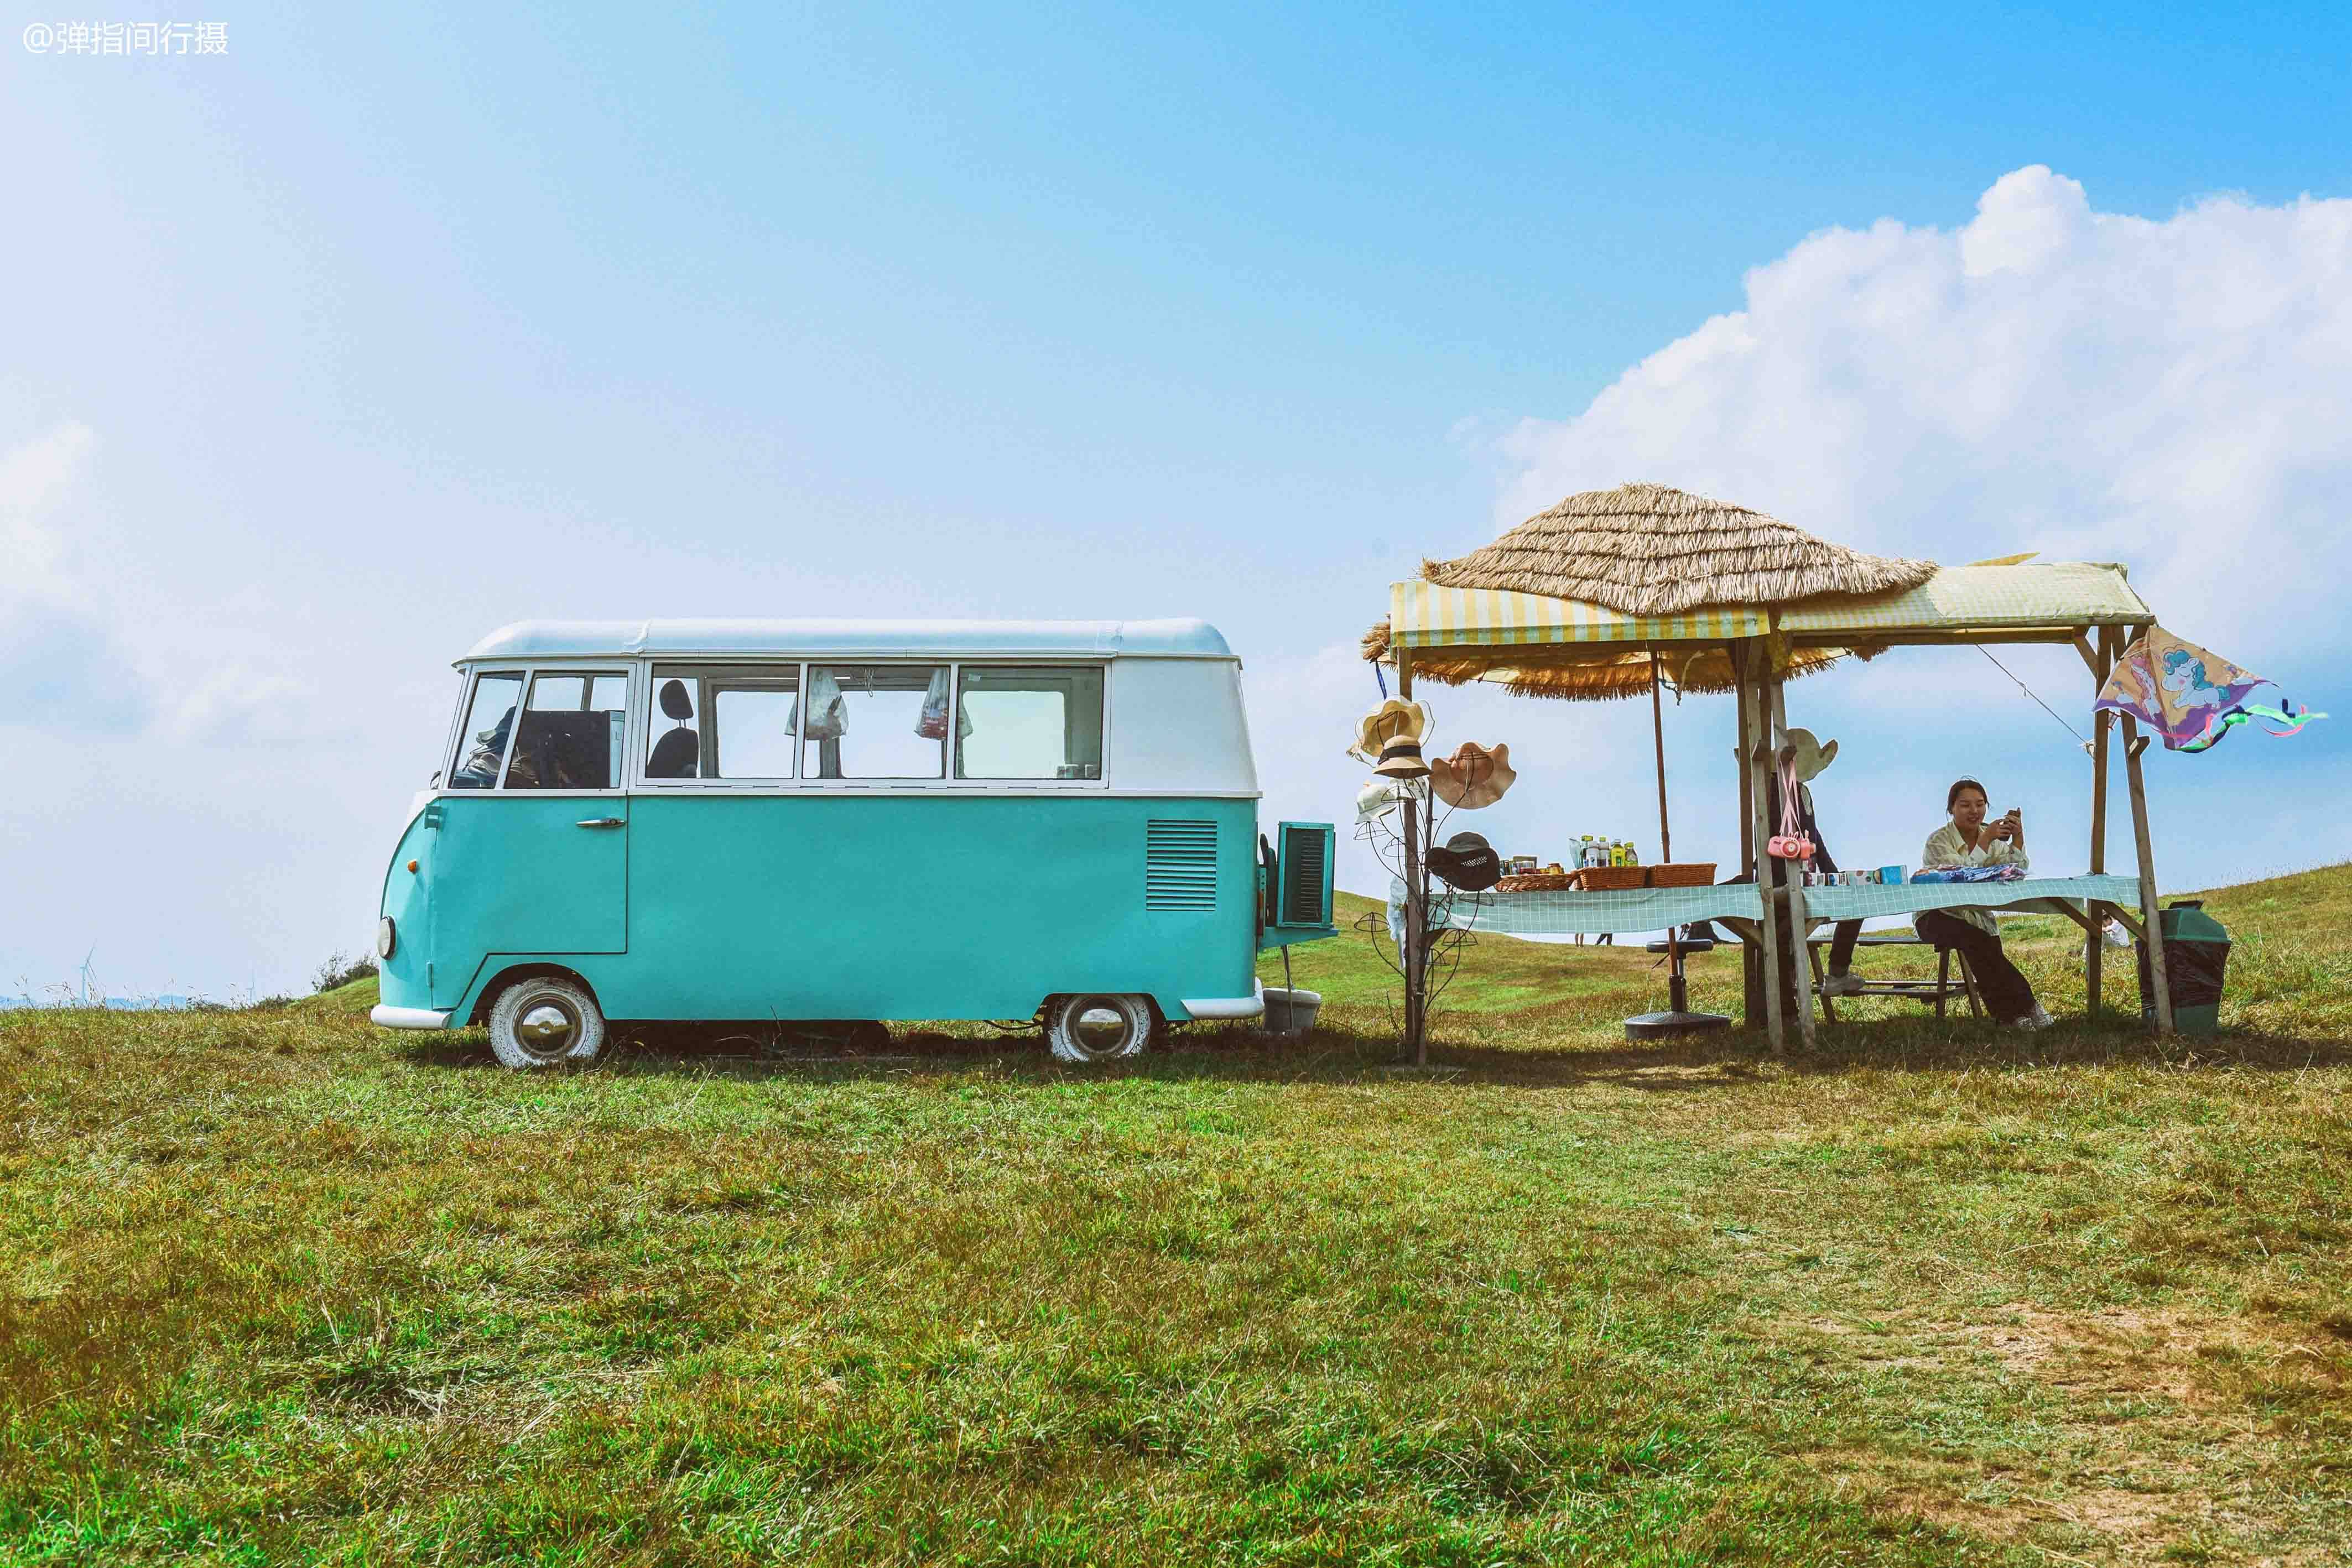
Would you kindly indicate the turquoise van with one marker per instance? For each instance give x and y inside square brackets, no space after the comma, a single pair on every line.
[845,820]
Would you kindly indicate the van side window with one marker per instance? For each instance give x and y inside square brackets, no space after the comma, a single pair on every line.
[876,721]
[673,739]
[570,734]
[724,722]
[489,723]
[1030,722]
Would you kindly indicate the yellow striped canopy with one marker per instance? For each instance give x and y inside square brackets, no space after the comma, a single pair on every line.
[1963,598]
[1541,647]
[1423,615]
[1957,598]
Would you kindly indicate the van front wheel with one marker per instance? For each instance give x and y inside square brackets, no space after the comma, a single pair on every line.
[1088,1030]
[543,1021]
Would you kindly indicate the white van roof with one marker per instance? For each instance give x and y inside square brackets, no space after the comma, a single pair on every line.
[1172,639]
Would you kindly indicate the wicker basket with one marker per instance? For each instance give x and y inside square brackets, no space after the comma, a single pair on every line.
[1611,878]
[1688,873]
[1537,882]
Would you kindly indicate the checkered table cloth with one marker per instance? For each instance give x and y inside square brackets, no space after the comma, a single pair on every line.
[1657,908]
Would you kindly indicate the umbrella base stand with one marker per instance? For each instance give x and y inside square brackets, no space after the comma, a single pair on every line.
[1679,1019]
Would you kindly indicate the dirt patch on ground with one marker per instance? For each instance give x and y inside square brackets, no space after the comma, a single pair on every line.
[2154,1407]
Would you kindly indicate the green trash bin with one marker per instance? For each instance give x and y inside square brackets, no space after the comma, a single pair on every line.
[2196,954]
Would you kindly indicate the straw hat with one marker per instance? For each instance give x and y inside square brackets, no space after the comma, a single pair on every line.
[1648,549]
[1400,759]
[1394,717]
[1473,775]
[1811,755]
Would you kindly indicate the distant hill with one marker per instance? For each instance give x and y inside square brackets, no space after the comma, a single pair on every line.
[353,999]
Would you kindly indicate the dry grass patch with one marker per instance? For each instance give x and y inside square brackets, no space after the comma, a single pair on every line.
[2152,1421]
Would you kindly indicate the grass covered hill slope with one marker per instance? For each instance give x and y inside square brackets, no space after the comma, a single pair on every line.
[283,1288]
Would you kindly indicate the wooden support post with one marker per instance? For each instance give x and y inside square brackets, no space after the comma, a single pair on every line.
[1755,750]
[1751,958]
[1416,1019]
[2152,943]
[1799,927]
[2094,966]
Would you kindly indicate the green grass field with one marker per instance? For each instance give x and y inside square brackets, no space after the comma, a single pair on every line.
[280,1287]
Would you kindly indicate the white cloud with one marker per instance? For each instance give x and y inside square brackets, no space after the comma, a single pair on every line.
[74,659]
[32,477]
[2173,394]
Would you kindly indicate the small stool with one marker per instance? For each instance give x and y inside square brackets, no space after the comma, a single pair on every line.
[1936,990]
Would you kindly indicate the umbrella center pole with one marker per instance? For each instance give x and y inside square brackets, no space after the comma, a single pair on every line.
[1677,1018]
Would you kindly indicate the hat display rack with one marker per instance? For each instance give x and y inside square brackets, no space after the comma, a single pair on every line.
[1392,739]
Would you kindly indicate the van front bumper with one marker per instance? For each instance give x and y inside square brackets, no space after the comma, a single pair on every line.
[406,1018]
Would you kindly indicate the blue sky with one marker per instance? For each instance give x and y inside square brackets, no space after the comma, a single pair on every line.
[325,356]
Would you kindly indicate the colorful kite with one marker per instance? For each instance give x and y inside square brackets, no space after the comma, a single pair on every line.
[2188,696]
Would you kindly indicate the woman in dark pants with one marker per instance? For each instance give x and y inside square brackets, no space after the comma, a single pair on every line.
[1811,755]
[1807,757]
[1969,840]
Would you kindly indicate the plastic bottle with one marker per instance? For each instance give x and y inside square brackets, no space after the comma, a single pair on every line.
[1632,857]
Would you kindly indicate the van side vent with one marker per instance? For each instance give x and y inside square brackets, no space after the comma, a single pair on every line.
[1305,862]
[1180,863]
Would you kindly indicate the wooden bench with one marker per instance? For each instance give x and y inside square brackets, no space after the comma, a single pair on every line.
[1937,991]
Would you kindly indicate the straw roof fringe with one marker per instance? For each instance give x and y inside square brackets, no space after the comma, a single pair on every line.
[1649,549]
[1587,674]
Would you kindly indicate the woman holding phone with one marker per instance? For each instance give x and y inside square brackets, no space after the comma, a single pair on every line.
[1969,840]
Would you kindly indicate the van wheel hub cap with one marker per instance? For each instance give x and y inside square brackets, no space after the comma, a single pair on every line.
[1098,1030]
[547,1030]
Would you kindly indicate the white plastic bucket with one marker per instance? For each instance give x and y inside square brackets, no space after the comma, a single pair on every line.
[1290,1011]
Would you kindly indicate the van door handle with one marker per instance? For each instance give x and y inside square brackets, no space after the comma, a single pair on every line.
[602,822]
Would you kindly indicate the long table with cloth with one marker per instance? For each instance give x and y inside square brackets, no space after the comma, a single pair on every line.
[1739,903]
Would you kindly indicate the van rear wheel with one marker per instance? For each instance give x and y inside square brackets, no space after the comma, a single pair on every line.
[543,1021]
[1089,1029]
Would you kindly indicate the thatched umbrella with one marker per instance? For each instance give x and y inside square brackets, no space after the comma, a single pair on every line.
[1650,549]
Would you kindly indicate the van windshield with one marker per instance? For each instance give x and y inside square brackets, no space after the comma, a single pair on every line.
[489,724]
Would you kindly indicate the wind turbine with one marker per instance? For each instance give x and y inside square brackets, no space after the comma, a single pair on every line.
[85,973]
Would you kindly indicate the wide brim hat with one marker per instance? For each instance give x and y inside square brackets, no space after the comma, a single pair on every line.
[1397,716]
[1466,862]
[1811,755]
[1473,777]
[1382,796]
[1400,759]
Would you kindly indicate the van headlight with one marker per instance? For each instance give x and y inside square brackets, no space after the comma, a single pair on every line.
[384,937]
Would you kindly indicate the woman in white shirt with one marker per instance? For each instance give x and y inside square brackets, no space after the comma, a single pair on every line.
[1969,840]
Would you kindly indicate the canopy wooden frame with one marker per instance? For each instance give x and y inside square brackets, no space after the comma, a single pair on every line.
[1762,719]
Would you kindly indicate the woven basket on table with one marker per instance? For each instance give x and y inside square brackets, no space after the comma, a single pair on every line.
[1537,882]
[1611,878]
[1687,873]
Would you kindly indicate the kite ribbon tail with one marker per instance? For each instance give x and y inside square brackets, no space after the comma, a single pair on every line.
[2211,736]
[2293,720]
